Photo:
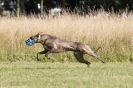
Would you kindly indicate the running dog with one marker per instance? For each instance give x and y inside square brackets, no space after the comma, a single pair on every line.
[53,44]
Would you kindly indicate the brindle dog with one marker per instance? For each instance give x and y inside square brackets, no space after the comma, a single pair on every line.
[53,44]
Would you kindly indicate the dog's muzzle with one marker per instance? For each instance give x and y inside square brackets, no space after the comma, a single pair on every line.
[30,42]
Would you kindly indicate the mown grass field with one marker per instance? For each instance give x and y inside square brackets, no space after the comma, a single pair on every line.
[65,75]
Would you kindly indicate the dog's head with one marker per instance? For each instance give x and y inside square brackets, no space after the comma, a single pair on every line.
[33,39]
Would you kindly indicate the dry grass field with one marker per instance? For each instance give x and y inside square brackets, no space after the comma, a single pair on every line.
[114,33]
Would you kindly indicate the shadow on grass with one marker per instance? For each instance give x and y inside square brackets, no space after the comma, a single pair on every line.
[50,67]
[55,68]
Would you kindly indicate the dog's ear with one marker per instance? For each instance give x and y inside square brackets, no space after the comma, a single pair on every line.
[39,35]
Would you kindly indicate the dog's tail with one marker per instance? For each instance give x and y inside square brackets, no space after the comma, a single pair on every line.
[93,53]
[97,49]
[98,57]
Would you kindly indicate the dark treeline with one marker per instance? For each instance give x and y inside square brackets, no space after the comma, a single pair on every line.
[107,5]
[85,5]
[76,5]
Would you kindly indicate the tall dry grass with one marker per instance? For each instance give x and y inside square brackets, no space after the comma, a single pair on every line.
[114,33]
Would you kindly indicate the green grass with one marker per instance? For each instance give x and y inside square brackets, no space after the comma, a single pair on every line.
[65,75]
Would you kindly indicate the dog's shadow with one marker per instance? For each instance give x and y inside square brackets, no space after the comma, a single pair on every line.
[48,68]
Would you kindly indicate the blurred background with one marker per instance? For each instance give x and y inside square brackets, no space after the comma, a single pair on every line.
[41,7]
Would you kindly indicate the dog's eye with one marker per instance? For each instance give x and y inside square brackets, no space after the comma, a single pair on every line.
[31,37]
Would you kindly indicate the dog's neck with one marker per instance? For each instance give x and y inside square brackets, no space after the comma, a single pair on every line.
[44,37]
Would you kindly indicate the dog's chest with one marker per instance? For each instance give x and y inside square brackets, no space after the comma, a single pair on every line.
[45,47]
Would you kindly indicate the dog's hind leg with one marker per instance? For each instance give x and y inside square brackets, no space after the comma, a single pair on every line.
[80,58]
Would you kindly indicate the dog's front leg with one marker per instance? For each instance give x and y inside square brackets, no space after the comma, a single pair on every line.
[46,52]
